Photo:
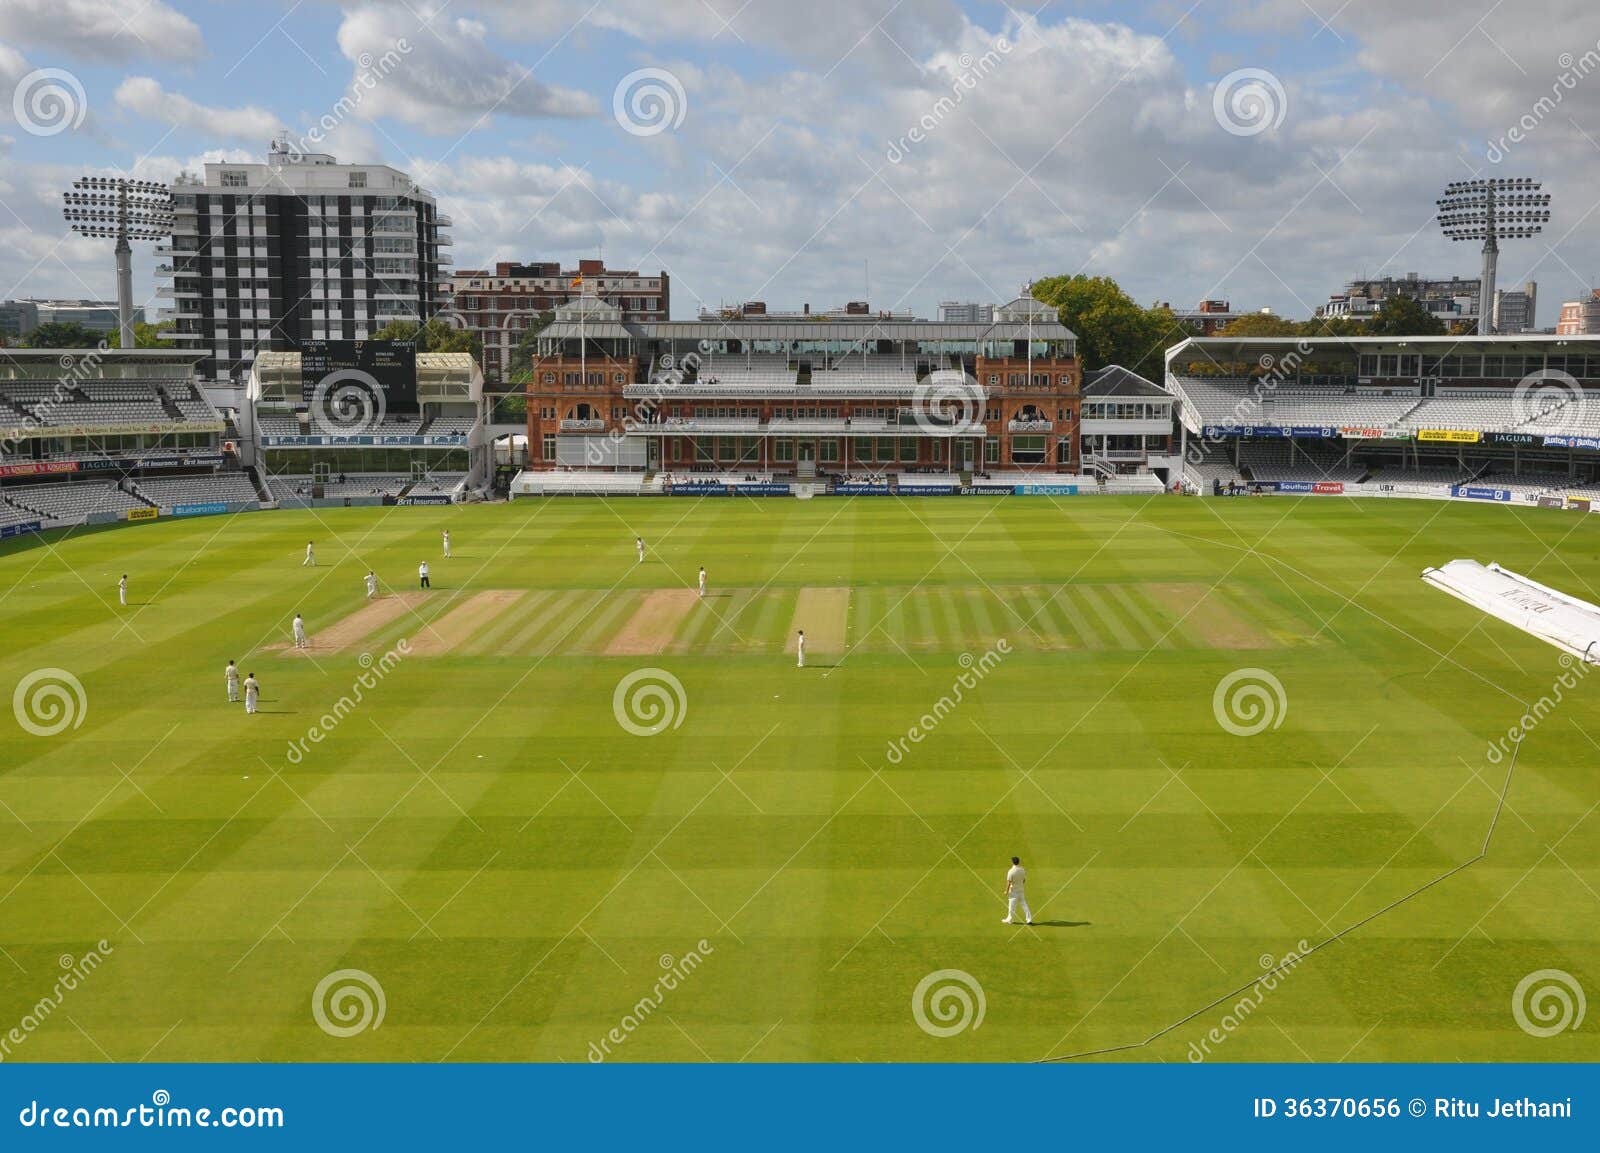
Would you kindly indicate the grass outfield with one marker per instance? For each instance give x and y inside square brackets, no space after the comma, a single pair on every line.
[518,872]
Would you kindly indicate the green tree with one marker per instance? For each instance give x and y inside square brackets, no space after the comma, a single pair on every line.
[146,336]
[1112,328]
[437,335]
[1261,324]
[62,334]
[1403,316]
[520,370]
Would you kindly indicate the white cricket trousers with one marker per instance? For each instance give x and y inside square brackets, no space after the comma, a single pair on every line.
[1011,908]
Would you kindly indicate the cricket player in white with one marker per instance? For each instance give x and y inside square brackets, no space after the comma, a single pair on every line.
[252,693]
[702,580]
[800,648]
[372,585]
[299,631]
[422,575]
[446,544]
[638,543]
[311,556]
[1016,881]
[122,589]
[232,675]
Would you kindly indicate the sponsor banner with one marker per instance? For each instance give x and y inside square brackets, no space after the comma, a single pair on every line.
[1450,435]
[761,489]
[929,489]
[1046,490]
[1480,492]
[1549,502]
[1360,432]
[986,490]
[861,489]
[143,513]
[698,488]
[391,440]
[1313,432]
[27,526]
[41,431]
[1283,485]
[206,509]
[1329,487]
[39,468]
[425,498]
[1581,504]
[1511,439]
[1586,442]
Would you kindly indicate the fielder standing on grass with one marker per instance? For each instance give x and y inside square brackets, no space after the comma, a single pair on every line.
[1016,882]
[252,693]
[638,543]
[372,585]
[299,631]
[311,556]
[446,544]
[231,673]
[702,580]
[122,589]
[800,649]
[422,575]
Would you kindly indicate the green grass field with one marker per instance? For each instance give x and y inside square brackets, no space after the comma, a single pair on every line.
[518,871]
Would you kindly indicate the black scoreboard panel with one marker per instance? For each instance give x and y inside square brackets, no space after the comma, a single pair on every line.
[392,364]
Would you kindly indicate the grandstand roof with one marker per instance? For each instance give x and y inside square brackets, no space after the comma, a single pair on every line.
[1519,342]
[1114,380]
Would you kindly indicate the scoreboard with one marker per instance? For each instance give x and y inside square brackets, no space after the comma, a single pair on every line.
[390,366]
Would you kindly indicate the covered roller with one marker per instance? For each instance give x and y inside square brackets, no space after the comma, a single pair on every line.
[1570,624]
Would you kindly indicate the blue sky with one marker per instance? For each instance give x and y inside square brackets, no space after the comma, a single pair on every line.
[1087,138]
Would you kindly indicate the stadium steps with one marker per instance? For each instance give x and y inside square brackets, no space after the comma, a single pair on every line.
[174,413]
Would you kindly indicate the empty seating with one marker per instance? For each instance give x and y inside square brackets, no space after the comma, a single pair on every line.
[72,502]
[168,491]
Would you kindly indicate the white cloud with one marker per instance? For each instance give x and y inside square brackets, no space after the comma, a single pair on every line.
[447,79]
[103,29]
[146,97]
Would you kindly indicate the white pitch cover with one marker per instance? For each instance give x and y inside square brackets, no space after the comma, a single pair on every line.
[1554,617]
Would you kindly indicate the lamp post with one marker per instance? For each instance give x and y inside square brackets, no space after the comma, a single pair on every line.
[1491,210]
[116,208]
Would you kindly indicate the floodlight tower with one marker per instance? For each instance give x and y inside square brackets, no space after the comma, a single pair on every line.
[1492,210]
[115,208]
